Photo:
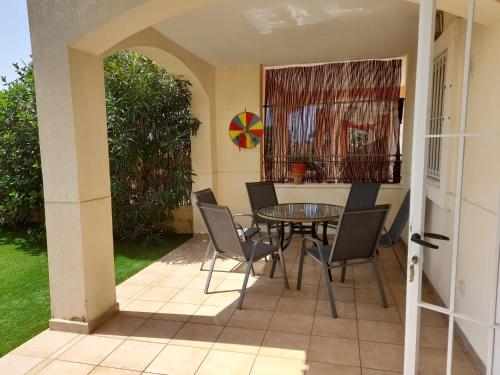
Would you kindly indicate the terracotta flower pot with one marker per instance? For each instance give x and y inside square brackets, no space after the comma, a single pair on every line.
[298,172]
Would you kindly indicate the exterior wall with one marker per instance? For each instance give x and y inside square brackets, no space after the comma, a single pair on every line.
[238,87]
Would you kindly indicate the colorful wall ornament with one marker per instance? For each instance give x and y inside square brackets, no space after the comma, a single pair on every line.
[246,130]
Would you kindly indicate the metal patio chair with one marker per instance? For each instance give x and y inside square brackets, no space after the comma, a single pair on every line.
[361,195]
[357,239]
[228,244]
[390,237]
[207,196]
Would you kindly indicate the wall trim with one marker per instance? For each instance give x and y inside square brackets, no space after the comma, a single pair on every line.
[82,327]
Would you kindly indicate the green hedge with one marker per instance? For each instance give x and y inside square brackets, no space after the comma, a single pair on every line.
[149,130]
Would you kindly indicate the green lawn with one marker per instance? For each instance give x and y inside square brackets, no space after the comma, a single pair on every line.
[24,281]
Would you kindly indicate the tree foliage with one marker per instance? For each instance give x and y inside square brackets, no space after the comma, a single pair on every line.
[149,131]
[21,194]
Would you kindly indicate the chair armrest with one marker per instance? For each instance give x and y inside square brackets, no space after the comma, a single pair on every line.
[318,243]
[249,215]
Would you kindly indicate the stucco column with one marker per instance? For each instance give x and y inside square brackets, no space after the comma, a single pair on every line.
[74,149]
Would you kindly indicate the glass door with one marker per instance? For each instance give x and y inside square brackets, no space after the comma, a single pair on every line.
[451,317]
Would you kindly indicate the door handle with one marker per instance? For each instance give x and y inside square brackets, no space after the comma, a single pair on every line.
[436,236]
[415,237]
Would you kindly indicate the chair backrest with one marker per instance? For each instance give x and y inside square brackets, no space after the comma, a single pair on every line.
[362,195]
[358,233]
[261,194]
[205,196]
[401,219]
[221,229]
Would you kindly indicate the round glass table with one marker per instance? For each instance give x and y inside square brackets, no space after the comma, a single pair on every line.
[301,218]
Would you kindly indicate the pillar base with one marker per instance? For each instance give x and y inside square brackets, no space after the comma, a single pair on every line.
[82,327]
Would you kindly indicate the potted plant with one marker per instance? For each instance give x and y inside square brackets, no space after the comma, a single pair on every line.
[298,169]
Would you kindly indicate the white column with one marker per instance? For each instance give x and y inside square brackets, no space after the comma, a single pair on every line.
[74,150]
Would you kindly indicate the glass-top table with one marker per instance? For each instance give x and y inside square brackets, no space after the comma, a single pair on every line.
[301,212]
[301,218]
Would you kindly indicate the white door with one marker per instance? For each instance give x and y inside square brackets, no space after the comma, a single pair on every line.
[455,177]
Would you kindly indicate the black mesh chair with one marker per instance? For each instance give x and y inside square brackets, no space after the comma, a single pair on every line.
[227,243]
[389,237]
[207,196]
[361,195]
[357,238]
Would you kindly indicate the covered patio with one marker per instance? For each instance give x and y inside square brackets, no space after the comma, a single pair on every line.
[167,325]
[160,321]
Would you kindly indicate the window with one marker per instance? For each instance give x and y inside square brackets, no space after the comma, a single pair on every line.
[436,117]
[341,120]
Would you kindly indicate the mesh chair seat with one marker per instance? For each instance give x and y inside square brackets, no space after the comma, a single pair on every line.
[261,250]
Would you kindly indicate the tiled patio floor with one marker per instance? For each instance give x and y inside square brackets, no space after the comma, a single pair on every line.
[168,326]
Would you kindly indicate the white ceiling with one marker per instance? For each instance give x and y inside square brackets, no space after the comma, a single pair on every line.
[278,32]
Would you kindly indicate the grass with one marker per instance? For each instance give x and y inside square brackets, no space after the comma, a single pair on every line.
[24,281]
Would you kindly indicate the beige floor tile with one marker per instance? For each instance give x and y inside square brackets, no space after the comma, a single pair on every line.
[264,365]
[133,355]
[225,299]
[125,291]
[433,361]
[16,364]
[192,296]
[267,287]
[91,349]
[197,335]
[57,367]
[174,281]
[178,360]
[227,363]
[112,371]
[253,319]
[192,270]
[340,294]
[198,283]
[45,343]
[370,371]
[242,340]
[260,301]
[229,285]
[180,312]
[159,268]
[318,368]
[344,309]
[372,296]
[120,326]
[376,312]
[142,278]
[285,345]
[156,330]
[368,283]
[390,333]
[141,308]
[436,338]
[339,327]
[381,356]
[306,291]
[334,350]
[217,315]
[292,323]
[159,293]
[307,279]
[296,305]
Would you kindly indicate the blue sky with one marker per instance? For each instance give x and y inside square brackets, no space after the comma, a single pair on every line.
[15,42]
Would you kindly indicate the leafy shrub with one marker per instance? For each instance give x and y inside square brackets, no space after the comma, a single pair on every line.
[149,131]
[21,193]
